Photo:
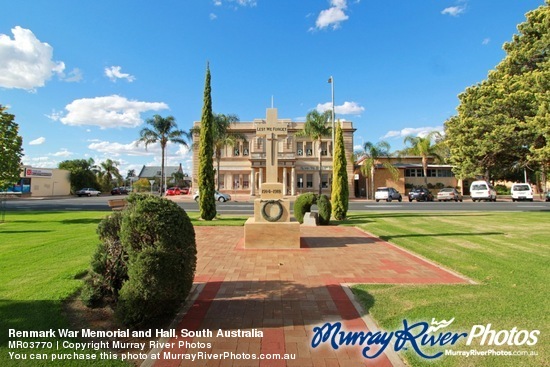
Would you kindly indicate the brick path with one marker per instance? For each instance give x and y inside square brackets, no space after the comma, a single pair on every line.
[286,293]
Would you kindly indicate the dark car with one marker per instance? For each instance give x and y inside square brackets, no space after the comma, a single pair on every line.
[119,191]
[420,194]
[547,196]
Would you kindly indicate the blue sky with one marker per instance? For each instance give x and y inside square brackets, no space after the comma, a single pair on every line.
[82,77]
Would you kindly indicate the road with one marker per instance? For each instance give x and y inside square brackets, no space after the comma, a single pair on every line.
[245,207]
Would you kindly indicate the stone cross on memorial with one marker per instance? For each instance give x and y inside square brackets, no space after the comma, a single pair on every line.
[272,189]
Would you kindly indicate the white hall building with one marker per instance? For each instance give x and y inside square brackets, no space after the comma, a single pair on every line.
[242,166]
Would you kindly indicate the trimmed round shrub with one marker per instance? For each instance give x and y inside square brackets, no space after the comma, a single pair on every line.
[303,204]
[325,209]
[162,254]
[109,270]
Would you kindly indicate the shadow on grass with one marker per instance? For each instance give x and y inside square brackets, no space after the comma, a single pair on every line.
[458,234]
[365,298]
[27,231]
[81,221]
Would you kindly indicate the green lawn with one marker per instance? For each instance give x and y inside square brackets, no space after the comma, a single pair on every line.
[44,255]
[507,254]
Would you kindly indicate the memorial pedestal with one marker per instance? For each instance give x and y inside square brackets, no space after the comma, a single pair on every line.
[271,235]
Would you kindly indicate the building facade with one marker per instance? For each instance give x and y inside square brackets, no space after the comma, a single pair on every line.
[242,166]
[411,174]
[43,182]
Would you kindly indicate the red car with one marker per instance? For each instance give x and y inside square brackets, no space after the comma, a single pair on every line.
[173,191]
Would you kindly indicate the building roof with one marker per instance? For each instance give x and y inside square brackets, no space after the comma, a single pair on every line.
[154,171]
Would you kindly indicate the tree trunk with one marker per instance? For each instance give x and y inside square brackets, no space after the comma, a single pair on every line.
[320,169]
[162,172]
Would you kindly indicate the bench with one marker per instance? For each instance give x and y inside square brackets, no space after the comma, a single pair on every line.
[117,204]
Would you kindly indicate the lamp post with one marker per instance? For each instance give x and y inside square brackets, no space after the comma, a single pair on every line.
[331,81]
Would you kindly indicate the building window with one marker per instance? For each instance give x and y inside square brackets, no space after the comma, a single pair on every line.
[309,181]
[245,181]
[309,149]
[300,178]
[324,150]
[300,148]
[245,149]
[222,182]
[324,181]
[236,152]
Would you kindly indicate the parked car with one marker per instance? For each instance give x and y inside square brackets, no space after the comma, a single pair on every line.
[482,190]
[388,194]
[88,192]
[173,191]
[420,194]
[521,191]
[218,195]
[184,190]
[448,194]
[547,196]
[119,191]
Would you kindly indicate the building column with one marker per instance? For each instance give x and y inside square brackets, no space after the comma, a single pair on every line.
[261,178]
[284,181]
[293,181]
[252,181]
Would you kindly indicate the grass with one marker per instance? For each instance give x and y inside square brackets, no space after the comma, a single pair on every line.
[507,254]
[43,256]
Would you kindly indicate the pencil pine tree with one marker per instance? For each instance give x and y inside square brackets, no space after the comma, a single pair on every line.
[340,189]
[207,201]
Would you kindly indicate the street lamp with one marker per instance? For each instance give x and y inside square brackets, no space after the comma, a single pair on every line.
[331,81]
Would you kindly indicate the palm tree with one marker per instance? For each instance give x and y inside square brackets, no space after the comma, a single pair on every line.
[163,130]
[108,171]
[371,154]
[316,127]
[422,146]
[222,137]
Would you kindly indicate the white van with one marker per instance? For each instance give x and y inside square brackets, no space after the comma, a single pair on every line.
[482,190]
[521,191]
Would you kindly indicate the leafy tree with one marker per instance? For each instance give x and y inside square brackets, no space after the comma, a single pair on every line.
[316,127]
[501,121]
[163,131]
[371,154]
[340,189]
[222,137]
[423,147]
[108,171]
[82,173]
[207,201]
[10,149]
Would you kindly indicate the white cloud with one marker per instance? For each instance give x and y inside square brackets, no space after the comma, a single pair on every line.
[114,74]
[115,149]
[348,108]
[454,11]
[55,115]
[38,141]
[25,62]
[415,131]
[75,75]
[40,162]
[212,16]
[333,16]
[62,153]
[108,112]
[485,41]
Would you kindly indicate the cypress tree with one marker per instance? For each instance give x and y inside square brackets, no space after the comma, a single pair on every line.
[207,201]
[340,189]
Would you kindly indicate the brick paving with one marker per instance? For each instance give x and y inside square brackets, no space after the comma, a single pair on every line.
[286,293]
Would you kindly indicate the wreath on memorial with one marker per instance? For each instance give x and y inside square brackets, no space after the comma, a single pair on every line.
[266,214]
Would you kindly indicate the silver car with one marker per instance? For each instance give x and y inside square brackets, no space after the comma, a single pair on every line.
[449,194]
[88,192]
[219,196]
